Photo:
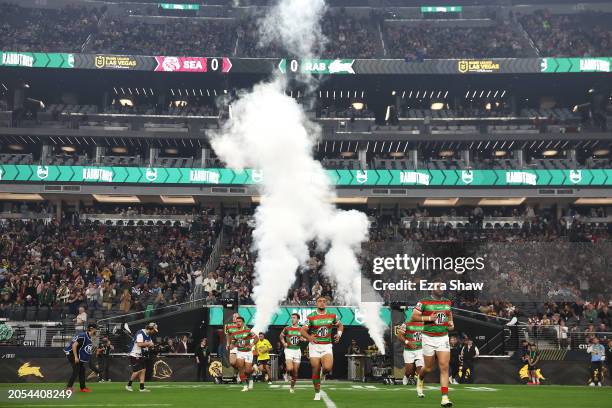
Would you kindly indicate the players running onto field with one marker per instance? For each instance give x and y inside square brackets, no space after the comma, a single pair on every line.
[318,332]
[435,313]
[410,334]
[243,339]
[229,329]
[290,338]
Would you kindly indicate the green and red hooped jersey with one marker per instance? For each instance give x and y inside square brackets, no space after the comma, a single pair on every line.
[230,328]
[244,339]
[293,337]
[321,326]
[441,309]
[412,332]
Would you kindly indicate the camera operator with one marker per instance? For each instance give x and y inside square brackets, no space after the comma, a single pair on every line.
[202,359]
[103,353]
[139,354]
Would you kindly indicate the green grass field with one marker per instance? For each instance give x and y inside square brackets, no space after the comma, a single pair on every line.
[338,394]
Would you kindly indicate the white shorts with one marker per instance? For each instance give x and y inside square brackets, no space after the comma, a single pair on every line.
[247,356]
[414,356]
[294,355]
[433,344]
[233,350]
[319,350]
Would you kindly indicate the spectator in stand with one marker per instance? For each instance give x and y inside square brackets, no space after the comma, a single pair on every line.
[80,321]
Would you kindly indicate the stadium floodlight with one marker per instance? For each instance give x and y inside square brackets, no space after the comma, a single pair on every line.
[68,149]
[119,150]
[437,106]
[601,152]
[358,105]
[126,102]
[16,147]
[446,153]
[549,153]
[500,153]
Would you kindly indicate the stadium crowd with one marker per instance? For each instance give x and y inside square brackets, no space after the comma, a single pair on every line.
[50,30]
[74,269]
[57,267]
[428,41]
[77,29]
[172,37]
[564,35]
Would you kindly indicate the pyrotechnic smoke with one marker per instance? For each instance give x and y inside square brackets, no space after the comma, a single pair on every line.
[270,132]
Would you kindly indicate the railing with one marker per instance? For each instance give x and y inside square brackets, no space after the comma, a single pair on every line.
[553,337]
[135,219]
[211,265]
[487,222]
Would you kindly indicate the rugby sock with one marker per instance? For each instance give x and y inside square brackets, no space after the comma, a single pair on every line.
[293,379]
[142,386]
[242,378]
[130,383]
[316,381]
[444,390]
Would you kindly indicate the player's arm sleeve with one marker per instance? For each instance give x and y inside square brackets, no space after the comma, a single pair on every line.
[417,313]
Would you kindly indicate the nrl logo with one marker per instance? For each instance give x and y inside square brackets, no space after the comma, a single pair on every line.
[151,174]
[26,369]
[575,176]
[42,172]
[462,66]
[467,176]
[362,176]
[257,176]
[100,61]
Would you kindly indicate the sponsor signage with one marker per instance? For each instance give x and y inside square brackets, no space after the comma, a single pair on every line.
[590,64]
[115,62]
[181,64]
[212,176]
[36,59]
[477,66]
[441,9]
[175,6]
[349,316]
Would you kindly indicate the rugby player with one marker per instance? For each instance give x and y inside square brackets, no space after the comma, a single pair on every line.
[410,333]
[290,338]
[243,339]
[435,313]
[228,329]
[318,333]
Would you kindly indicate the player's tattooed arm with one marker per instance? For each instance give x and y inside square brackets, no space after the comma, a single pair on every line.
[306,335]
[282,337]
[340,327]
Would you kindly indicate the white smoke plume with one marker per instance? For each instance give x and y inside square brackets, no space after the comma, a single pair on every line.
[269,131]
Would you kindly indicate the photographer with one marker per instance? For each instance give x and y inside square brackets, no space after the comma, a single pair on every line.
[103,353]
[138,354]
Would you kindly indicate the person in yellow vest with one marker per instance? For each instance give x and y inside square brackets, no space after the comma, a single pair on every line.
[263,347]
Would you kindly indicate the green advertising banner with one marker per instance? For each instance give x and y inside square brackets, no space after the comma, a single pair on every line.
[175,6]
[341,178]
[36,59]
[348,316]
[551,65]
[317,66]
[441,9]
